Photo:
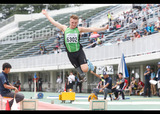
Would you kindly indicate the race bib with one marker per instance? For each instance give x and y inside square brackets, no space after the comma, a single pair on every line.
[71,38]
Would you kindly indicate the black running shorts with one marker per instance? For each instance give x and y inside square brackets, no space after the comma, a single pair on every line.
[77,58]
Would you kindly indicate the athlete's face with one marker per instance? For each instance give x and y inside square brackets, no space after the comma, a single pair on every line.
[73,23]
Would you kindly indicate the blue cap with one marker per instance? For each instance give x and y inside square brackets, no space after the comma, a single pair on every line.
[158,63]
[104,73]
[148,66]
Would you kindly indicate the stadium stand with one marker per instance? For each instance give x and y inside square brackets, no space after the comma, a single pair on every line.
[27,28]
[23,45]
[38,28]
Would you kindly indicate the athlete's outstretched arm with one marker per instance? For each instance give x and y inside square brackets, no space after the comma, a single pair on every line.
[95,74]
[55,23]
[92,29]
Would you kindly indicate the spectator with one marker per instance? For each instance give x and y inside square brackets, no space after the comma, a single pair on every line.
[132,33]
[92,40]
[66,83]
[101,83]
[108,84]
[40,50]
[14,82]
[80,22]
[112,18]
[109,18]
[118,26]
[132,85]
[98,41]
[59,50]
[125,84]
[113,27]
[79,82]
[147,29]
[30,82]
[5,86]
[17,84]
[121,19]
[71,81]
[153,76]
[151,28]
[57,45]
[147,75]
[59,35]
[40,83]
[158,73]
[133,25]
[126,38]
[55,50]
[119,87]
[76,81]
[44,50]
[56,40]
[36,80]
[157,24]
[145,33]
[144,21]
[137,35]
[84,24]
[140,87]
[119,41]
[59,81]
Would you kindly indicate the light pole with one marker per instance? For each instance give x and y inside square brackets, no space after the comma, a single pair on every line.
[1,15]
[46,6]
[30,9]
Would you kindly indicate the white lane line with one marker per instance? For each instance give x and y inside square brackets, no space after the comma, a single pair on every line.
[123,103]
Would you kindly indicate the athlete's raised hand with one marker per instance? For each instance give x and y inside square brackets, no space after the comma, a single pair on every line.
[107,27]
[44,12]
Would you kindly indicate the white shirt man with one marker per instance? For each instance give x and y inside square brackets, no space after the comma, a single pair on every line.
[71,77]
[59,80]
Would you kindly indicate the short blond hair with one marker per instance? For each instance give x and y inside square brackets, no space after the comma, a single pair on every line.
[74,17]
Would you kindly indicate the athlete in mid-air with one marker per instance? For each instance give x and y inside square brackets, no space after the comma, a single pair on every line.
[72,42]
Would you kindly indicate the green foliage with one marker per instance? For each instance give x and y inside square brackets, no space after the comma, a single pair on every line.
[9,10]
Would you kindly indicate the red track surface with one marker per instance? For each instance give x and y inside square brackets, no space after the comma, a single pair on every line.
[42,106]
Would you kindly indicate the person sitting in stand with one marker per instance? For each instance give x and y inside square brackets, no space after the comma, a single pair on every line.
[119,87]
[132,85]
[140,87]
[107,88]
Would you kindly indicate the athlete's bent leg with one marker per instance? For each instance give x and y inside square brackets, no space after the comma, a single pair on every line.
[84,67]
[81,73]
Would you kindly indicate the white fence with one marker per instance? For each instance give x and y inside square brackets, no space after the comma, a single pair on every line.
[54,61]
[28,36]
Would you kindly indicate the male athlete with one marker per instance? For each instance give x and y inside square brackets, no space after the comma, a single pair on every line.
[72,42]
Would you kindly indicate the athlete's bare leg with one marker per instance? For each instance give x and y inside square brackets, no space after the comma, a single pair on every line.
[84,67]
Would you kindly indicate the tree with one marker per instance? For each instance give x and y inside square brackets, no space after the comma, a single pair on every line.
[8,10]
